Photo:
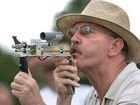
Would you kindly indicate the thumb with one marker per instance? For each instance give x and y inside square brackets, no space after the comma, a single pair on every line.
[75,63]
[29,72]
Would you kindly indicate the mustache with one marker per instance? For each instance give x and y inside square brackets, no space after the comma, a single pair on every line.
[75,48]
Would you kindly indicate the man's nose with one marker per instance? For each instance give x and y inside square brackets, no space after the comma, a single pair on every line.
[76,38]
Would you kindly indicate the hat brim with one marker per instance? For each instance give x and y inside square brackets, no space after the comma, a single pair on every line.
[67,21]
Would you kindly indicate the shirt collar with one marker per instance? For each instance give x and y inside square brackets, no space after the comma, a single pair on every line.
[113,90]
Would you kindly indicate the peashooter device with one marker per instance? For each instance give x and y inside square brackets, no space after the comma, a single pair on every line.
[41,48]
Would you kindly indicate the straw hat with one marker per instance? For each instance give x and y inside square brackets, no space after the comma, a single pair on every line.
[108,15]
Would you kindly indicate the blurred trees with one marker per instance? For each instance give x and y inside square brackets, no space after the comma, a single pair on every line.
[138,65]
[74,6]
[8,69]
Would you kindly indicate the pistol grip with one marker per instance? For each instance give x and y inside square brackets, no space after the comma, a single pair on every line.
[23,64]
[71,89]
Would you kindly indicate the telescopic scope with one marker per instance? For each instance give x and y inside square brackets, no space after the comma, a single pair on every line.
[57,36]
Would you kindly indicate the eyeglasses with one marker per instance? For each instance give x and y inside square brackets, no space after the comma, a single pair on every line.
[84,30]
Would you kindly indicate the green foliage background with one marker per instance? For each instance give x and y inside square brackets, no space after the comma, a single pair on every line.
[8,69]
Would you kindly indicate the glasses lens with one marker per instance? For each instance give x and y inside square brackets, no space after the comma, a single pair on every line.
[71,32]
[84,30]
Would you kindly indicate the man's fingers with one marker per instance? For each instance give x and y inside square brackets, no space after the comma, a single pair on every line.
[66,68]
[75,63]
[22,78]
[63,61]
[16,86]
[70,82]
[66,74]
[15,93]
[29,72]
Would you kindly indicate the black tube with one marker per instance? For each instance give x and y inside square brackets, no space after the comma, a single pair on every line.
[71,89]
[23,64]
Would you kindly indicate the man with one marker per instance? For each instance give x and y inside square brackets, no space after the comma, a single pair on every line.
[104,50]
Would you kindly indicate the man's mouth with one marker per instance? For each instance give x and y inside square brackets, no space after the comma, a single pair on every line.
[75,49]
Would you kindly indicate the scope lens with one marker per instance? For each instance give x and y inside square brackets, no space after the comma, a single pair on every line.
[42,35]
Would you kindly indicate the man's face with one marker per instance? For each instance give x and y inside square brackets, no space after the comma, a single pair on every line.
[90,50]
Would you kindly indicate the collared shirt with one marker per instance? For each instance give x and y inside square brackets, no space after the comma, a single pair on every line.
[125,90]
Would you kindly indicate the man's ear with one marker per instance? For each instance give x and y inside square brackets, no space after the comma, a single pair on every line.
[116,47]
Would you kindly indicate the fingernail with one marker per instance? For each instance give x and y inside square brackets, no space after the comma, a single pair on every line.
[78,85]
[78,78]
[65,61]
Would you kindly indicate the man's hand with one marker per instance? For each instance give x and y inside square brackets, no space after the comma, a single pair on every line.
[65,75]
[25,88]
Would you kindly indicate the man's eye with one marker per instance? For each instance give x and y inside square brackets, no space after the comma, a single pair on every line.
[85,30]
[71,32]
